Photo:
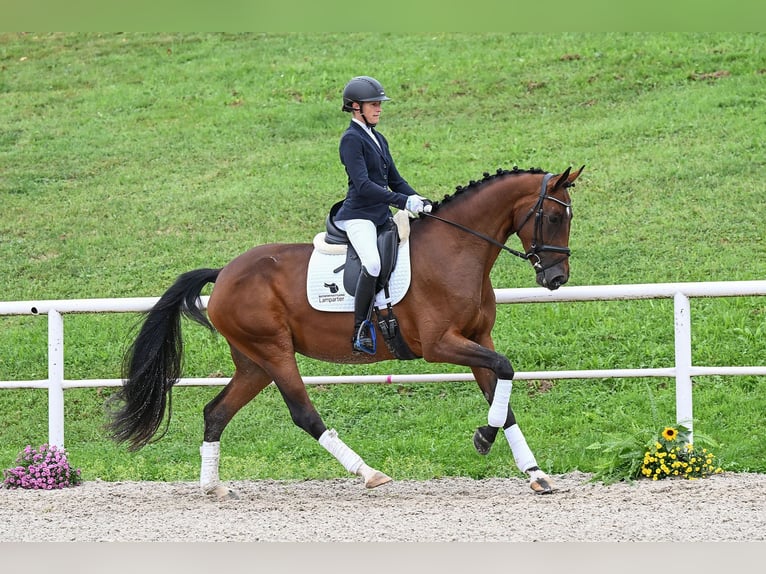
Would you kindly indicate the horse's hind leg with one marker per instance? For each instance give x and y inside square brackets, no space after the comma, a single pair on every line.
[304,415]
[249,379]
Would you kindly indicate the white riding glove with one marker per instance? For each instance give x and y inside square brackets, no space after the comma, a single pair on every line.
[417,204]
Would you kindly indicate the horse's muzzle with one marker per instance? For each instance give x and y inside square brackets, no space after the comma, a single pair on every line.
[552,278]
[556,282]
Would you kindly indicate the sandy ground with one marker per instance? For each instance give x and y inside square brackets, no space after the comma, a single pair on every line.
[728,507]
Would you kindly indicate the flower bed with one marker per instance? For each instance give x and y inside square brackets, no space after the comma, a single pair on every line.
[46,468]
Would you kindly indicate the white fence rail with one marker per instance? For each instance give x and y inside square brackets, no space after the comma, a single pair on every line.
[682,370]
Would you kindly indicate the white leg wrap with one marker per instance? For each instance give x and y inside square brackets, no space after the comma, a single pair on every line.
[351,461]
[498,410]
[208,476]
[521,452]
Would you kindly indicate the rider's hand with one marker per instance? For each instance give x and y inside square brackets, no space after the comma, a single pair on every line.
[417,204]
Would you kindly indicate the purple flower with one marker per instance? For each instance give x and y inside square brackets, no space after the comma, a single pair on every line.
[46,468]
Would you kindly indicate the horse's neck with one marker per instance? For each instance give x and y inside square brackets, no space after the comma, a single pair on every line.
[491,210]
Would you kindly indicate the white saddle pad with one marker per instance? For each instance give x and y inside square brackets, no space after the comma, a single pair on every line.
[325,288]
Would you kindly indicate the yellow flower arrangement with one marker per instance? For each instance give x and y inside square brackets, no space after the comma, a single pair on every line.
[654,456]
[686,461]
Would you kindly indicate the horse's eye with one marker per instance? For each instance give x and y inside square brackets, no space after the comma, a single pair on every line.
[554,219]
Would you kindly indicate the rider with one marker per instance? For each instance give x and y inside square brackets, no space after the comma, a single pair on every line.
[374,184]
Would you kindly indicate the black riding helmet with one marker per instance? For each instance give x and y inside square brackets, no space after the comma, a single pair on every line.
[362,89]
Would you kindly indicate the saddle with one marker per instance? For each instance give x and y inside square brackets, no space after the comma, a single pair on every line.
[333,243]
[388,247]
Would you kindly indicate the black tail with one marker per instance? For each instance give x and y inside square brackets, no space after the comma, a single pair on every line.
[152,365]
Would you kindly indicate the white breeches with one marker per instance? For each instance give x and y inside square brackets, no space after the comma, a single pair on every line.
[364,237]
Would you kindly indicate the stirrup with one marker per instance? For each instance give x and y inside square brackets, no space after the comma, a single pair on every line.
[359,345]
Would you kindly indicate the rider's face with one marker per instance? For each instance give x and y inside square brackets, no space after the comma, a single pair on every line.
[371,111]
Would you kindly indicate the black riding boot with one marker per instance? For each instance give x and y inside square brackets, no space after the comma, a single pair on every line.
[363,339]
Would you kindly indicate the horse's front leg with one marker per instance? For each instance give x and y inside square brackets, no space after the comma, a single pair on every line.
[494,375]
[501,415]
[485,436]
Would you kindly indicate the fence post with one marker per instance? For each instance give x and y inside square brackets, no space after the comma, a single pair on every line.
[55,378]
[683,347]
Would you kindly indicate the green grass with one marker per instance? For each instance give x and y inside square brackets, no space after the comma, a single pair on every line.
[127,159]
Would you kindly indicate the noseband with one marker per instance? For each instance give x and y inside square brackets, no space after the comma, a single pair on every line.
[538,244]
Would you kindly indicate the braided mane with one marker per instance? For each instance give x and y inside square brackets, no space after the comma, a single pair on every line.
[487,177]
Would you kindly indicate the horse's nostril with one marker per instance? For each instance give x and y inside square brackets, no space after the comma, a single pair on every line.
[556,282]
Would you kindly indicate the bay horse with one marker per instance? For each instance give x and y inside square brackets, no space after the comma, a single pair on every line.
[259,304]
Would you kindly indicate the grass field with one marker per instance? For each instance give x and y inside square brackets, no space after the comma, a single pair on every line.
[127,159]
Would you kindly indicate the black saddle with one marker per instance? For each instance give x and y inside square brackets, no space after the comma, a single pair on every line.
[388,247]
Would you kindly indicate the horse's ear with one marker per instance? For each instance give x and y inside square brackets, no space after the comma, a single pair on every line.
[575,175]
[563,178]
[567,178]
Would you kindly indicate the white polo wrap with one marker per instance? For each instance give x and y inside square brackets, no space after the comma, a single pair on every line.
[498,410]
[521,452]
[208,476]
[336,447]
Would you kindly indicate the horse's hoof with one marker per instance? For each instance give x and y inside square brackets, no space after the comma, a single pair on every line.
[376,479]
[540,483]
[481,444]
[223,493]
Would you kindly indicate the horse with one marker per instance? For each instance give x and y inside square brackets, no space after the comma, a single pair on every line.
[259,304]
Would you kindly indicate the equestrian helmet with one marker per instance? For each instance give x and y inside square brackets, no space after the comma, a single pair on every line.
[363,89]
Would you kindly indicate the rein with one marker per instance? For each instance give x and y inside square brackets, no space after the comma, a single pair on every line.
[538,245]
[479,234]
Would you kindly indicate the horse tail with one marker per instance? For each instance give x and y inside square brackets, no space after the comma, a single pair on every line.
[152,364]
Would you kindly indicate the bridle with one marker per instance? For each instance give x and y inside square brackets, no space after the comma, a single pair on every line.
[538,243]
